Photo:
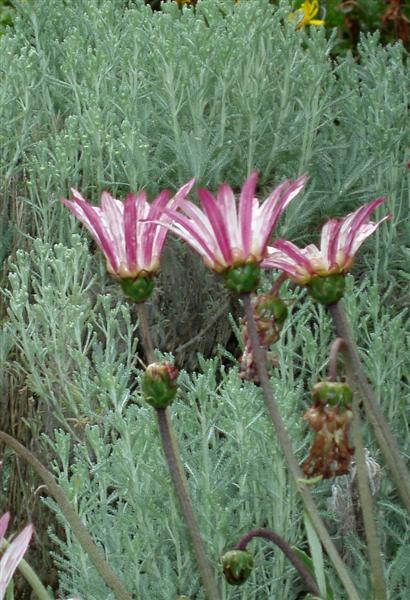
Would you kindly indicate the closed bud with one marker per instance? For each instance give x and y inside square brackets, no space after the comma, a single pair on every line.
[138,289]
[237,566]
[335,393]
[271,308]
[328,289]
[243,279]
[159,384]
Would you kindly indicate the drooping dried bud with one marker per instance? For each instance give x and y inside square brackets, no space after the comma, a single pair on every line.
[237,566]
[159,384]
[331,453]
[328,289]
[138,289]
[333,393]
[243,279]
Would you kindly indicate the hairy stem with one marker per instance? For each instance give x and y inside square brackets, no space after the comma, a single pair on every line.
[81,533]
[375,416]
[176,470]
[335,348]
[287,551]
[284,441]
[366,506]
[146,339]
[181,490]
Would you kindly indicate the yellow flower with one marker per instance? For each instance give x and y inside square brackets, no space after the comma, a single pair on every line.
[306,13]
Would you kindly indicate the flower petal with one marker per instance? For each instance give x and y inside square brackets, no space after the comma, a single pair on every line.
[12,556]
[214,214]
[91,218]
[246,205]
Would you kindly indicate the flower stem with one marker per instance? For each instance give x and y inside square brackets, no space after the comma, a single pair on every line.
[96,556]
[384,436]
[335,349]
[366,506]
[145,332]
[287,551]
[181,489]
[176,469]
[284,441]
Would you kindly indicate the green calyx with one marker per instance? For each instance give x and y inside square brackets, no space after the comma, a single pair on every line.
[159,385]
[138,289]
[328,289]
[334,393]
[237,566]
[243,279]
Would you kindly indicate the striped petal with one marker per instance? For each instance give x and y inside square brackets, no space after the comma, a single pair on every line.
[91,218]
[275,204]
[12,556]
[193,235]
[173,204]
[217,222]
[352,223]
[246,205]
[4,522]
[276,259]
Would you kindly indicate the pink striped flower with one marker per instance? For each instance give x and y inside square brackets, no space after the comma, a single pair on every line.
[340,240]
[131,242]
[226,236]
[13,554]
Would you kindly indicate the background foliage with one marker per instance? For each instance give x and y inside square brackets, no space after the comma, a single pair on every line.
[108,95]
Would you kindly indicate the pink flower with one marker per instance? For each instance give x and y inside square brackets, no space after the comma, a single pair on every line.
[131,245]
[340,240]
[13,554]
[226,236]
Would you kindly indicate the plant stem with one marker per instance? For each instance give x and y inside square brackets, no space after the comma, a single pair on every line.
[181,488]
[384,436]
[287,551]
[96,556]
[284,441]
[335,348]
[145,332]
[176,469]
[366,506]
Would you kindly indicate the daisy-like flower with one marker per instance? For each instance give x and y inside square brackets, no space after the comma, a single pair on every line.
[13,554]
[306,14]
[129,235]
[233,240]
[340,241]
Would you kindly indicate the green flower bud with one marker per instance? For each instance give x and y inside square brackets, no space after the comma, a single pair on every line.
[328,289]
[333,393]
[237,566]
[159,384]
[272,308]
[138,289]
[244,278]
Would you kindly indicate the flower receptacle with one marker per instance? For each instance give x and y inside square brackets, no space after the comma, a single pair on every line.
[243,279]
[327,289]
[138,289]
